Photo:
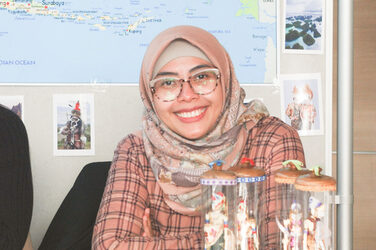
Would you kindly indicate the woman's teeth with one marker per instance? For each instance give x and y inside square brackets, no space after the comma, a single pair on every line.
[191,114]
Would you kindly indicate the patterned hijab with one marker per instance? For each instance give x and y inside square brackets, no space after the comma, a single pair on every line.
[177,162]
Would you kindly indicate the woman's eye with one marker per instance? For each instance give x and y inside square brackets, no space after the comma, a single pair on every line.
[167,83]
[201,76]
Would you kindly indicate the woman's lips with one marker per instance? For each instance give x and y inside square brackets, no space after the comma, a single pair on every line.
[191,116]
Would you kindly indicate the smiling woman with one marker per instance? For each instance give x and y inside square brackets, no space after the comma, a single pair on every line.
[193,105]
[194,114]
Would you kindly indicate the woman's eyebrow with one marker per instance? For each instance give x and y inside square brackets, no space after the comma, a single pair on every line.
[199,67]
[164,73]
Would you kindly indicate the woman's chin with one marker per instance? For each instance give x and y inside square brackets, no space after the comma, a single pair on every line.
[194,132]
[191,133]
[192,136]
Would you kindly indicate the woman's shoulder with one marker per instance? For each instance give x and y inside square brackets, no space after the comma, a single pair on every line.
[132,143]
[274,126]
[131,140]
[130,154]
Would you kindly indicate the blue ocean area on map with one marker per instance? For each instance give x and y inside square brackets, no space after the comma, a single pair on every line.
[57,41]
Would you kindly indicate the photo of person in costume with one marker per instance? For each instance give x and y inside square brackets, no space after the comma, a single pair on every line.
[73,130]
[301,103]
[73,121]
[301,111]
[194,114]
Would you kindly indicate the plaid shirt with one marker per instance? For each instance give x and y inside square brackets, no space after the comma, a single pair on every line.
[132,187]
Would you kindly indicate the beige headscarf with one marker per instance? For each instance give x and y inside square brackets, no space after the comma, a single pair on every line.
[177,162]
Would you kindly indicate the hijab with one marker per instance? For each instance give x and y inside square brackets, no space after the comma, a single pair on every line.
[177,162]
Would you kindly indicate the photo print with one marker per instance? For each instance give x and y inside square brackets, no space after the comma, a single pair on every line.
[302,103]
[304,26]
[14,103]
[73,124]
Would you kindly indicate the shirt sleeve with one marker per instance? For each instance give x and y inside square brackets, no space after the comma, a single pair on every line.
[119,220]
[288,147]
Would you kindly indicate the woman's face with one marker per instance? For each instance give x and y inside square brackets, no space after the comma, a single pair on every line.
[190,115]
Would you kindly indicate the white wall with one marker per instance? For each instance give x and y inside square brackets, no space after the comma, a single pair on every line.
[118,111]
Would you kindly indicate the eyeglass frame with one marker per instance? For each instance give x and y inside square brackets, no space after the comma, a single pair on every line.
[182,81]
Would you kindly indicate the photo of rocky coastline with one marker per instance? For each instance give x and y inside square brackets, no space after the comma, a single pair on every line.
[303,25]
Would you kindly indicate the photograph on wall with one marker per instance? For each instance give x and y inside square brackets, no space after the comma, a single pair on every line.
[73,124]
[301,105]
[304,26]
[14,103]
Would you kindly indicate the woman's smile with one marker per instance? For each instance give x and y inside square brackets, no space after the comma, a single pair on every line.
[192,115]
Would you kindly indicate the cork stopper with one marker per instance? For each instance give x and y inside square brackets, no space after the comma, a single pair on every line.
[247,168]
[292,169]
[315,181]
[217,176]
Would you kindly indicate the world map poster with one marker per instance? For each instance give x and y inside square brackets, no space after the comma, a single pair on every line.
[96,41]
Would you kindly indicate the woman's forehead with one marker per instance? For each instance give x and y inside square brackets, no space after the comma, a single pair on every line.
[185,64]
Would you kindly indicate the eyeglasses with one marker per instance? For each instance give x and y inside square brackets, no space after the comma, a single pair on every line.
[202,82]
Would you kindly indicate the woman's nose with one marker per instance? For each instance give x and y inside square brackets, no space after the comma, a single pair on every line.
[187,94]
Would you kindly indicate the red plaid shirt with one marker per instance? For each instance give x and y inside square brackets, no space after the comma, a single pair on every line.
[131,187]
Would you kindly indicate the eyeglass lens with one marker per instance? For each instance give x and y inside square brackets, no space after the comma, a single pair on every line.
[202,83]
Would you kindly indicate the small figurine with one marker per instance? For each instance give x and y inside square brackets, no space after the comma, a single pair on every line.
[315,231]
[317,224]
[247,229]
[250,180]
[219,227]
[216,226]
[292,228]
